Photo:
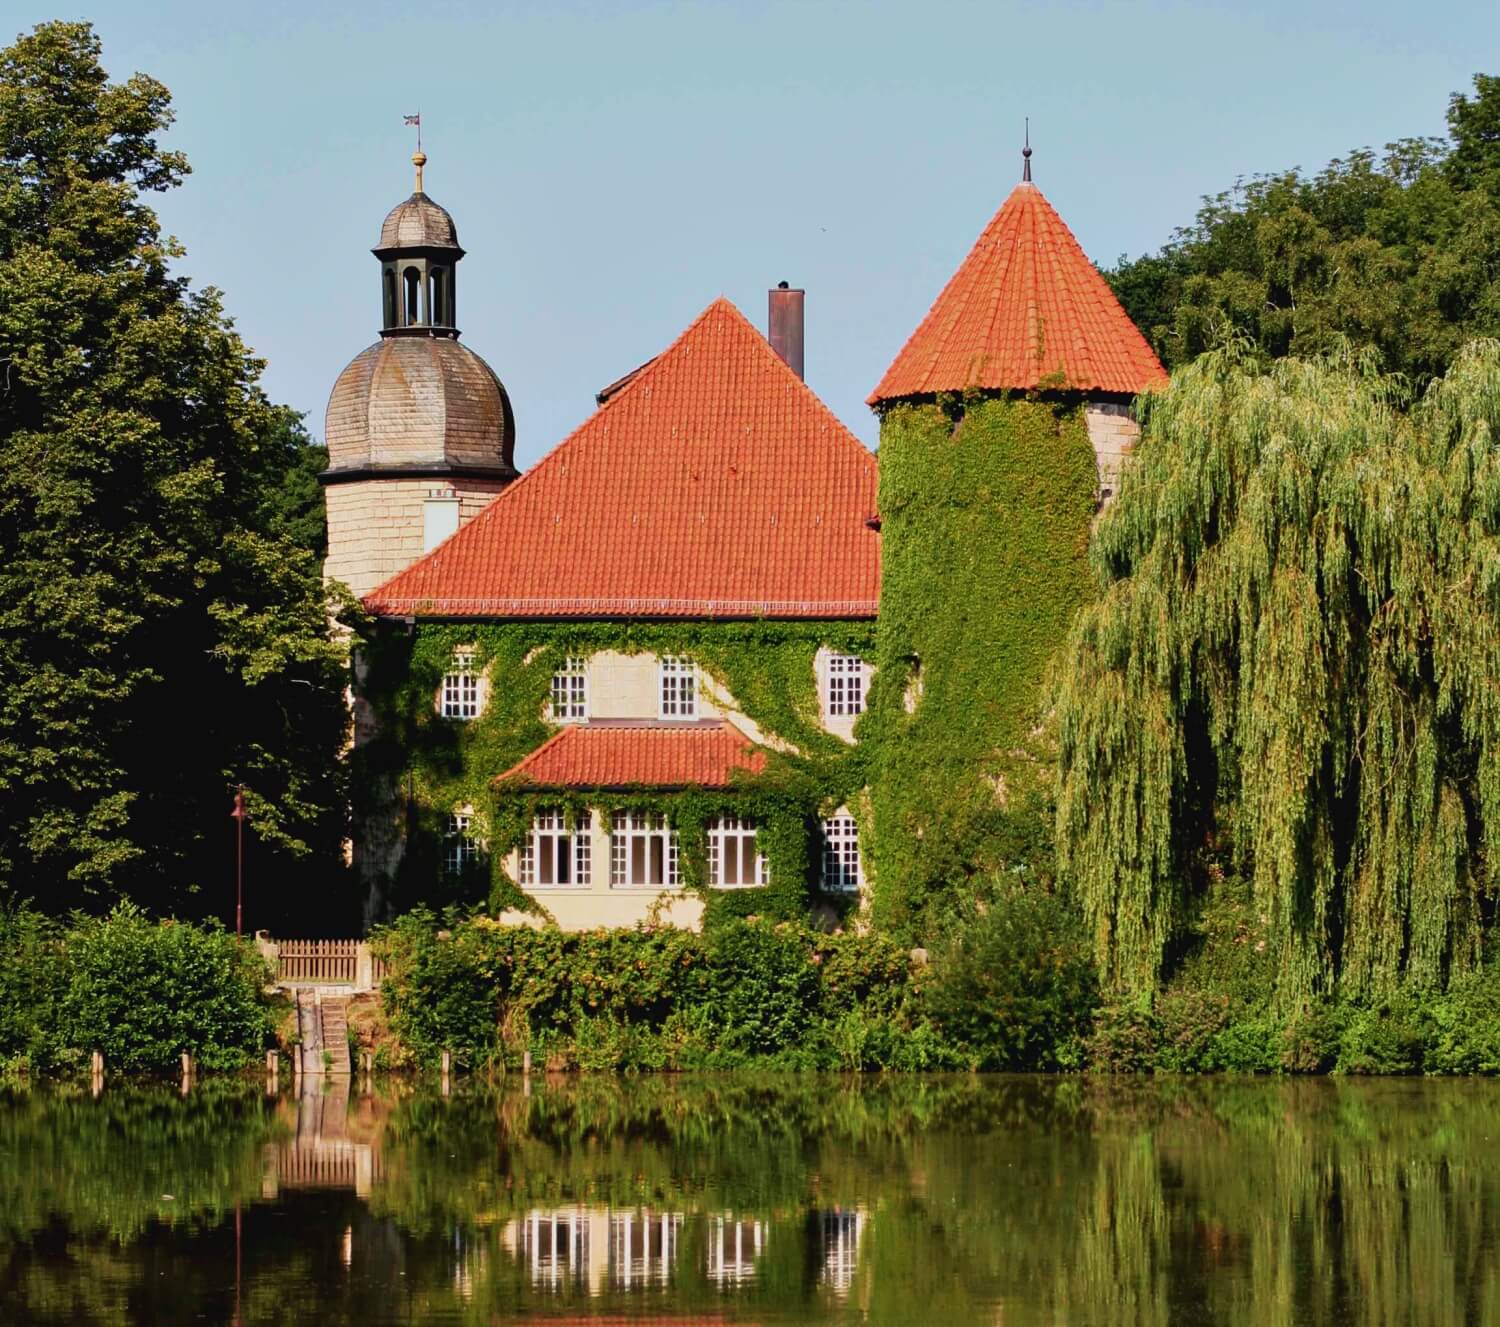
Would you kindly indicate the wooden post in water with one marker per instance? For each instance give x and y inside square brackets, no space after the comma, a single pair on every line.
[526,1063]
[447,1070]
[273,1073]
[96,1072]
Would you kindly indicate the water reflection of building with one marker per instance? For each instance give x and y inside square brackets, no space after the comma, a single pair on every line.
[841,1231]
[642,1247]
[323,1152]
[733,1247]
[596,1247]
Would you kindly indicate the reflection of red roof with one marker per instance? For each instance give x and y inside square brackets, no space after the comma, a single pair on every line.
[1024,306]
[711,483]
[627,753]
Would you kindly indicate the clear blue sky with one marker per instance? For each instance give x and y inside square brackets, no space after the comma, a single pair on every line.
[614,166]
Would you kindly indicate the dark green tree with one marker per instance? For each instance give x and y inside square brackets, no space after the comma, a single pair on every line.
[1399,251]
[163,625]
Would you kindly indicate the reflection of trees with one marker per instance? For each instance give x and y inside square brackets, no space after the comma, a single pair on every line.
[904,1200]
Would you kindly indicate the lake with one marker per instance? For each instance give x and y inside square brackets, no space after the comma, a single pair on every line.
[753,1199]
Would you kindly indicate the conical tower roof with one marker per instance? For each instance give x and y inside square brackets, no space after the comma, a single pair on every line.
[1025,309]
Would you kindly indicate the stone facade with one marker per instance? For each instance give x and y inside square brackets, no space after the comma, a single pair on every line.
[1114,433]
[375,526]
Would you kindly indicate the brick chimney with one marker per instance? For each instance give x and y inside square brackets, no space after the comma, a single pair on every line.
[785,334]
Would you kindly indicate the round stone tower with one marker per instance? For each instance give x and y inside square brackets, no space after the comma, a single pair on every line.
[419,429]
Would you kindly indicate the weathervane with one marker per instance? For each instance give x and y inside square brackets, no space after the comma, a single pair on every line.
[1026,155]
[418,158]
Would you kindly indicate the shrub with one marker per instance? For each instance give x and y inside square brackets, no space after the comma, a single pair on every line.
[1189,1025]
[1382,1039]
[1464,1036]
[144,991]
[1125,1039]
[763,989]
[1015,987]
[32,979]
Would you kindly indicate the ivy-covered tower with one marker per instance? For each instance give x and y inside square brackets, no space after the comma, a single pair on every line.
[1004,423]
[419,429]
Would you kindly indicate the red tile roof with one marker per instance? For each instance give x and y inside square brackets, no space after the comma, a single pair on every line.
[639,753]
[711,483]
[1025,305]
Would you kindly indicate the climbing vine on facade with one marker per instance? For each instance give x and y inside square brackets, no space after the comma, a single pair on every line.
[418,767]
[985,506]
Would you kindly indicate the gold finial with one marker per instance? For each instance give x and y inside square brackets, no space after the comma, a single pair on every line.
[418,159]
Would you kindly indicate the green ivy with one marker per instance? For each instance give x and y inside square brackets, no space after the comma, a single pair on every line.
[986,505]
[419,766]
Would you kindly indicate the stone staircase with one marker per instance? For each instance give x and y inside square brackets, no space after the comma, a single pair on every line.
[323,1025]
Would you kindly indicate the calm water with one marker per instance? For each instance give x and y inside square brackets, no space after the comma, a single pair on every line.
[742,1200]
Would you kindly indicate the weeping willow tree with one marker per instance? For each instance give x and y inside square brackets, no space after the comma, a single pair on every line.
[1297,653]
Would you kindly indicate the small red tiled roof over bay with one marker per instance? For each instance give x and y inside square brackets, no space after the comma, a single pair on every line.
[627,753]
[1025,306]
[712,482]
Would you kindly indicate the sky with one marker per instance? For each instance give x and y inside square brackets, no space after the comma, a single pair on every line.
[613,167]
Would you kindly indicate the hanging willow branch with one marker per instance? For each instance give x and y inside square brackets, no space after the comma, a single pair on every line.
[1298,645]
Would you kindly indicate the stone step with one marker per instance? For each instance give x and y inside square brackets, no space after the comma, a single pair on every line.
[334,1034]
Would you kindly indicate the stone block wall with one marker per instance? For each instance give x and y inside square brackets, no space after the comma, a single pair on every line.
[375,526]
[1114,433]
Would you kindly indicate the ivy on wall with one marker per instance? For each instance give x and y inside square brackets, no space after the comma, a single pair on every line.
[986,505]
[420,767]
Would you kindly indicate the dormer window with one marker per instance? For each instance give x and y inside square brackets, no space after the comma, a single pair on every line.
[570,692]
[460,696]
[678,687]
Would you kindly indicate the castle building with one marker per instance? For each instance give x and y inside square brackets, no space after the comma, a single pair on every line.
[629,683]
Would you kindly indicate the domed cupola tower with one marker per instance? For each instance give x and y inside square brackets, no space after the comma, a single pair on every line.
[419,429]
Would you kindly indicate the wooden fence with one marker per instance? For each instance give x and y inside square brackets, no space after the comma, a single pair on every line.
[324,963]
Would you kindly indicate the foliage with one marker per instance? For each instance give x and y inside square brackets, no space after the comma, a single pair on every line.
[151,582]
[747,992]
[1014,986]
[140,991]
[33,978]
[421,767]
[1398,251]
[1296,655]
[985,509]
[143,992]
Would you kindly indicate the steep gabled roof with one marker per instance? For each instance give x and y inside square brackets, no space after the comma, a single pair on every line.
[638,753]
[711,483]
[1024,307]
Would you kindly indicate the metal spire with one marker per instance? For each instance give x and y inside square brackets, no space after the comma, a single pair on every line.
[1026,155]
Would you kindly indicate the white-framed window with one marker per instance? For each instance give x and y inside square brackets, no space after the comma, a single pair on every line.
[734,857]
[846,685]
[842,871]
[679,687]
[460,698]
[642,851]
[552,854]
[460,847]
[570,692]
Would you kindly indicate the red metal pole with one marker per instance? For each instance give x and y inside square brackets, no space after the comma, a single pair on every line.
[239,859]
